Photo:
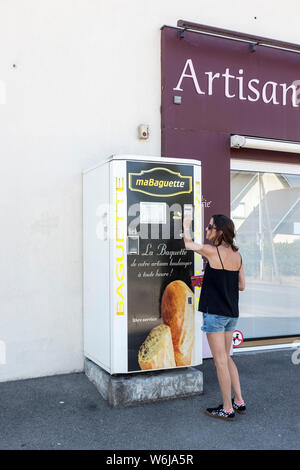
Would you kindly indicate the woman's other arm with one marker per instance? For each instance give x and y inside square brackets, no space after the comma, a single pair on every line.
[242,283]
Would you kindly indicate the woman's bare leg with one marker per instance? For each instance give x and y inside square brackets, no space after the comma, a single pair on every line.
[217,346]
[234,375]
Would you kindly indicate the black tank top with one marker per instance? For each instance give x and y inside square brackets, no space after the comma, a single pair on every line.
[220,291]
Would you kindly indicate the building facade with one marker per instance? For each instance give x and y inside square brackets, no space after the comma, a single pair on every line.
[76,81]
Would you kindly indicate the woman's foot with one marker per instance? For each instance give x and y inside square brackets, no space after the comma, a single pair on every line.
[220,413]
[239,406]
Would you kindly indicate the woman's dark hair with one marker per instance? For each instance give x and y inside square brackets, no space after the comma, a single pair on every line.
[226,225]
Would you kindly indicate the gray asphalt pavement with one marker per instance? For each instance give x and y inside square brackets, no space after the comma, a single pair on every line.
[67,412]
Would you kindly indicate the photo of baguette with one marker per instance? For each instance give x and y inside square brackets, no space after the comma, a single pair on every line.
[157,351]
[177,311]
[171,343]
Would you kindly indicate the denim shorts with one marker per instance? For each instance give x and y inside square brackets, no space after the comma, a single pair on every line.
[216,323]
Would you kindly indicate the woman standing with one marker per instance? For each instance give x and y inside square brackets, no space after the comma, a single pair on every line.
[223,278]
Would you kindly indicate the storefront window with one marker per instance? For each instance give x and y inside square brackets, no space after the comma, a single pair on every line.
[265,208]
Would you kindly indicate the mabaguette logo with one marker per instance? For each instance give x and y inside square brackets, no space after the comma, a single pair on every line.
[160,182]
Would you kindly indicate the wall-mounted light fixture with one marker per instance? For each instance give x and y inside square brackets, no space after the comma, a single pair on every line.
[184,27]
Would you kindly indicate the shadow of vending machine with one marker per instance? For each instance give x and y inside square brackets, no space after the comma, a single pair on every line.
[140,307]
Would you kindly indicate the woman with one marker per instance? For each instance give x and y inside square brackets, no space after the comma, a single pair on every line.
[223,278]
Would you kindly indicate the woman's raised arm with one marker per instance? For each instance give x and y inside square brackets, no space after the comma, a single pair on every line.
[202,249]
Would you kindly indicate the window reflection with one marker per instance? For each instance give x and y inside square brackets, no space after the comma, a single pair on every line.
[265,208]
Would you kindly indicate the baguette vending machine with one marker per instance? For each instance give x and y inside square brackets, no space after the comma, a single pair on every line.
[140,308]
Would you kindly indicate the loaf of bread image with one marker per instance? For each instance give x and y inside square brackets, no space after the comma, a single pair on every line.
[177,311]
[157,350]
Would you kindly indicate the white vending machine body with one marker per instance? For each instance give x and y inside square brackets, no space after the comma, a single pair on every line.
[132,250]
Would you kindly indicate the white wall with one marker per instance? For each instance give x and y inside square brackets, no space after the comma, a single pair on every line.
[86,73]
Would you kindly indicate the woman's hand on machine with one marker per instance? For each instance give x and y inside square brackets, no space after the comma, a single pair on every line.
[187,220]
[204,250]
[187,237]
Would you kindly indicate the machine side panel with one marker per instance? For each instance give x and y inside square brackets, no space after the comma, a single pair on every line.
[198,264]
[96,298]
[118,260]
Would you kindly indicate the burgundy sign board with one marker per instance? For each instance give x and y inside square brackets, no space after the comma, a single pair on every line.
[225,88]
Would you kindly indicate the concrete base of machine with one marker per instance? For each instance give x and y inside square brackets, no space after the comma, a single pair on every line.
[144,387]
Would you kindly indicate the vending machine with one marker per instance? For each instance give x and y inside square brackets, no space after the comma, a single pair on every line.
[140,307]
